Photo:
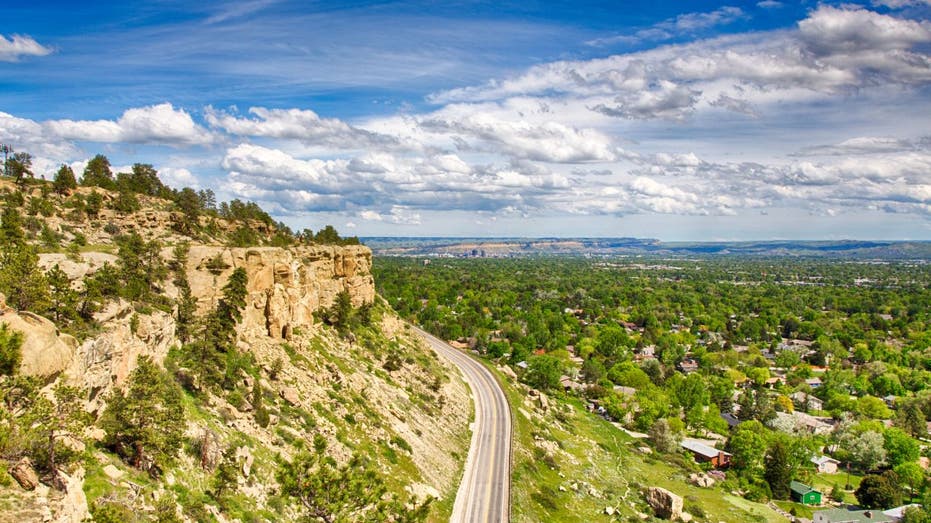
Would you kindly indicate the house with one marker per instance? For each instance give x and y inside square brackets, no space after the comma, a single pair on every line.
[842,515]
[825,464]
[522,365]
[805,423]
[732,420]
[805,401]
[687,366]
[706,453]
[804,494]
[813,382]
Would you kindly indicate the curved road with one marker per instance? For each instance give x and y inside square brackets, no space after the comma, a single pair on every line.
[484,494]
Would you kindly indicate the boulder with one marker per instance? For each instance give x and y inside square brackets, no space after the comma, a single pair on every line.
[45,352]
[290,395]
[664,503]
[74,507]
[112,472]
[25,474]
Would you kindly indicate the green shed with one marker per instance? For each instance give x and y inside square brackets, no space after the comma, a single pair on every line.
[804,494]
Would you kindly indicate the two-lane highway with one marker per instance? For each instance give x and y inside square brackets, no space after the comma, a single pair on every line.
[484,493]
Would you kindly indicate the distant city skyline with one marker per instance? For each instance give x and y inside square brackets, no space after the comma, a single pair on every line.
[698,121]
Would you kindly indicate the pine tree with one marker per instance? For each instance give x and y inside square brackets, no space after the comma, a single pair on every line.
[351,492]
[64,299]
[11,343]
[97,173]
[778,469]
[64,181]
[21,280]
[145,424]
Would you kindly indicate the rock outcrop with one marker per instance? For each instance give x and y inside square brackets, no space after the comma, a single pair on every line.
[45,351]
[664,503]
[286,286]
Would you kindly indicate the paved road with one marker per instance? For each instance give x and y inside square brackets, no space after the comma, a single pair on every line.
[485,490]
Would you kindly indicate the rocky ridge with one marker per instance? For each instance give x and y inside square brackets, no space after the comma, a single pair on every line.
[340,385]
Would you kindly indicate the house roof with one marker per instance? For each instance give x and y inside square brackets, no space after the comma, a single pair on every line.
[822,460]
[800,488]
[842,515]
[700,448]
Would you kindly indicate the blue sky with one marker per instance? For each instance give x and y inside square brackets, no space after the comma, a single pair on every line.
[681,121]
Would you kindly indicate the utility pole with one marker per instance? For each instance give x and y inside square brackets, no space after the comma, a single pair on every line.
[6,150]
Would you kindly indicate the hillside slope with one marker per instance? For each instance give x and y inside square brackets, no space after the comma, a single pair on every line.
[316,370]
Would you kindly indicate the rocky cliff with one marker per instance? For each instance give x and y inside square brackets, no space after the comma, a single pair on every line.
[286,286]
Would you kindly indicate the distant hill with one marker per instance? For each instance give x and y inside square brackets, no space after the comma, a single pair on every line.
[518,247]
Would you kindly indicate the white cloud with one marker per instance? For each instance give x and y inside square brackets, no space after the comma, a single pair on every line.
[178,177]
[154,124]
[899,4]
[834,51]
[684,23]
[19,46]
[296,124]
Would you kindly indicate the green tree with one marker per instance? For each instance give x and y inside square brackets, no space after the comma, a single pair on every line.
[64,181]
[97,173]
[19,166]
[900,447]
[190,205]
[21,279]
[748,446]
[224,479]
[60,418]
[341,494]
[339,314]
[543,372]
[664,437]
[778,469]
[11,343]
[63,299]
[145,424]
[880,491]
[93,204]
[911,475]
[11,226]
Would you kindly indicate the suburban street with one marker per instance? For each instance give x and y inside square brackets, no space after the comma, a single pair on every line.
[484,493]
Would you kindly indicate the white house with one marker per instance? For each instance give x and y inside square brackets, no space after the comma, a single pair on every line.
[826,464]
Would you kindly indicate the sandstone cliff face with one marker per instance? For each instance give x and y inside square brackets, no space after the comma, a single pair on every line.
[45,352]
[286,286]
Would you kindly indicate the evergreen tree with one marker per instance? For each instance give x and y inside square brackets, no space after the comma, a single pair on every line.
[351,492]
[97,173]
[19,166]
[11,226]
[145,424]
[93,204]
[64,181]
[64,299]
[778,469]
[21,280]
[11,343]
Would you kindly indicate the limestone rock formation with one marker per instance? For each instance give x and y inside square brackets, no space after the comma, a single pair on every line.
[286,286]
[664,503]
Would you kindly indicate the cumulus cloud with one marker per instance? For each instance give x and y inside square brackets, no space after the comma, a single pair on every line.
[833,51]
[18,46]
[297,124]
[154,124]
